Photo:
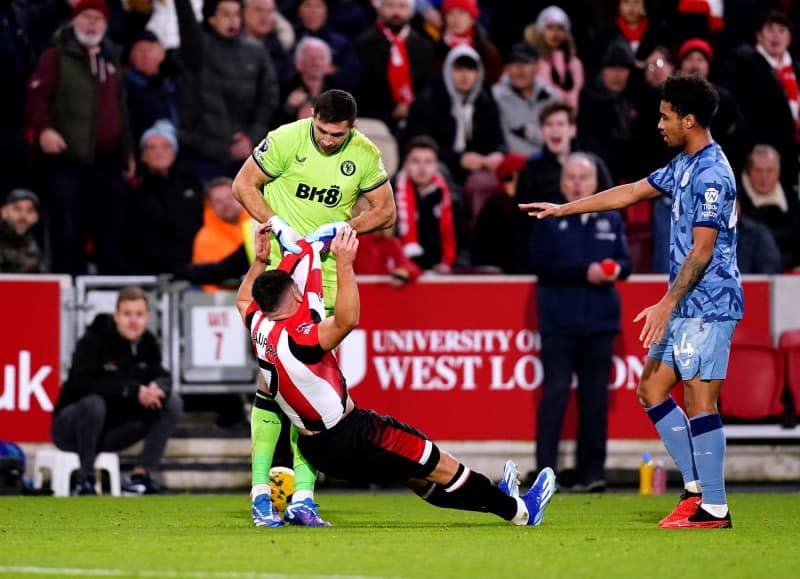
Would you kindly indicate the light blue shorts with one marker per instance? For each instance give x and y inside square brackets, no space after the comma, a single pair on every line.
[696,348]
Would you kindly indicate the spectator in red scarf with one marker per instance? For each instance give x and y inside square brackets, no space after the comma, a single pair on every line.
[632,26]
[763,78]
[425,217]
[396,64]
[461,27]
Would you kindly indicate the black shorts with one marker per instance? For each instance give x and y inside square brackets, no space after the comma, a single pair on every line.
[368,447]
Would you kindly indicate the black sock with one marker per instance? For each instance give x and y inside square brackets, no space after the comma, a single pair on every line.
[470,491]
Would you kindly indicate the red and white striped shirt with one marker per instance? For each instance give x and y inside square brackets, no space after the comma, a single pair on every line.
[304,379]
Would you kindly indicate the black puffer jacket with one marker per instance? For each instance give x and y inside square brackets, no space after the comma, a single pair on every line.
[230,87]
[106,363]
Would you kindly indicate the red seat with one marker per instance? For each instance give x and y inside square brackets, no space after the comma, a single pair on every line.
[789,346]
[753,387]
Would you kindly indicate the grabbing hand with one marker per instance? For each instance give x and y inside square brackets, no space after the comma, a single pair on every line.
[262,242]
[541,210]
[327,232]
[286,236]
[345,246]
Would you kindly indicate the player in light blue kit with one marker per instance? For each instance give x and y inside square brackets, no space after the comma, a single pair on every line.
[689,330]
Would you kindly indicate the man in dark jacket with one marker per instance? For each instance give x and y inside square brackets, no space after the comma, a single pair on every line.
[230,93]
[396,64]
[117,393]
[164,209]
[77,116]
[19,250]
[579,314]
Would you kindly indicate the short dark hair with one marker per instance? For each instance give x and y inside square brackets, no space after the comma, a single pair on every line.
[335,106]
[776,17]
[132,293]
[557,107]
[691,95]
[269,287]
[421,142]
[465,61]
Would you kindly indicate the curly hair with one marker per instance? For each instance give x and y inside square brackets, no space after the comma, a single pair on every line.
[691,95]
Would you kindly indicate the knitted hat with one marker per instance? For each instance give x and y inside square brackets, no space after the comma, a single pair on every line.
[20,194]
[552,15]
[696,44]
[510,165]
[162,128]
[98,5]
[470,6]
[618,54]
[210,7]
[523,52]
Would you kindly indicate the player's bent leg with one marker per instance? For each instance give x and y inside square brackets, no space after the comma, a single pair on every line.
[457,486]
[302,510]
[265,428]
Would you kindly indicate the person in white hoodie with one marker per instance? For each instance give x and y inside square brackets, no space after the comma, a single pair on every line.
[470,138]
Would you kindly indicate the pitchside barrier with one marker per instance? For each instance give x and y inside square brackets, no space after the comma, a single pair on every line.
[457,356]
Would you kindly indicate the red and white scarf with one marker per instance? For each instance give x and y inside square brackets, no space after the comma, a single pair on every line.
[398,70]
[406,199]
[784,70]
[452,39]
[713,9]
[633,35]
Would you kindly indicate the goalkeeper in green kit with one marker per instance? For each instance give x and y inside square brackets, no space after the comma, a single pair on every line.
[304,179]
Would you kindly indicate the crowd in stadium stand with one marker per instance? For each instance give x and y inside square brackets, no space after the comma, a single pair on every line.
[121,119]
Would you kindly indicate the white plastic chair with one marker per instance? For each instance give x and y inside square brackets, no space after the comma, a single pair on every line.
[62,464]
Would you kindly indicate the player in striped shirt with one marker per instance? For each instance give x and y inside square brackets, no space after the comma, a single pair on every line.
[294,343]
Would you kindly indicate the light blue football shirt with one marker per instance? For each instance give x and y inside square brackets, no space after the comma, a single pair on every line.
[703,193]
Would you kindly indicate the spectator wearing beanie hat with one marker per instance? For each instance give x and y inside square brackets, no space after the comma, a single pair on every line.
[77,116]
[164,209]
[19,250]
[728,125]
[494,236]
[461,27]
[559,67]
[520,96]
[98,5]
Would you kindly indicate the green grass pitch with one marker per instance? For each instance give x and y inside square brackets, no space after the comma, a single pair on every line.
[391,534]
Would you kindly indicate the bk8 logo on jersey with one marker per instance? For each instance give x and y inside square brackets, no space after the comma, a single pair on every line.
[330,196]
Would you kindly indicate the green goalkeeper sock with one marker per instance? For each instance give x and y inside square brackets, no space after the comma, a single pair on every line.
[305,475]
[265,428]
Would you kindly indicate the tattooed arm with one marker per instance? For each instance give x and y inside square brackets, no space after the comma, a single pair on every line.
[692,268]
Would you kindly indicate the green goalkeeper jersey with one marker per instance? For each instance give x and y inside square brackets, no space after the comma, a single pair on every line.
[310,188]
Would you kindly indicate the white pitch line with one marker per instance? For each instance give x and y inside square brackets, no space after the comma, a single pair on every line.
[72,571]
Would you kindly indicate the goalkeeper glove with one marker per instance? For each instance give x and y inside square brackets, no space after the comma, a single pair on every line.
[286,236]
[326,233]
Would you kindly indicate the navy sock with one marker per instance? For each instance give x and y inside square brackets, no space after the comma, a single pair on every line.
[708,440]
[673,428]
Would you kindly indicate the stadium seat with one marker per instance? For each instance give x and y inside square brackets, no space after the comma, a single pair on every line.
[377,132]
[62,464]
[752,390]
[789,346]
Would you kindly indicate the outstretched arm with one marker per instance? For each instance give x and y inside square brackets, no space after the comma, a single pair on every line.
[245,294]
[608,200]
[347,308]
